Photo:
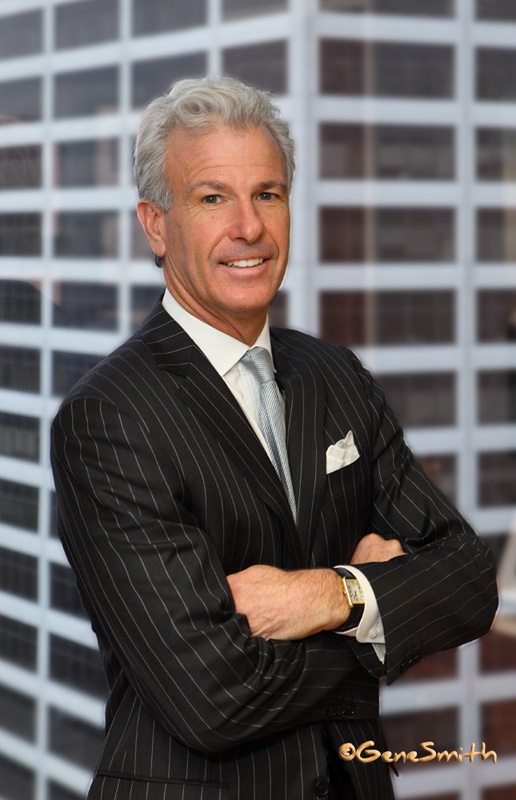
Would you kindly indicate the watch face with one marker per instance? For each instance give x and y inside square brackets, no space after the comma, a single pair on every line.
[355,592]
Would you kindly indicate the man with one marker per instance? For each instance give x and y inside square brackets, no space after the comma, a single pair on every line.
[204,505]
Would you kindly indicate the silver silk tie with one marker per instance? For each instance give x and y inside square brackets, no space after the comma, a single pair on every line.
[272,418]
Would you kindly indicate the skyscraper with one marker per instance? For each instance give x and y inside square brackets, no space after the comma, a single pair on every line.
[403,247]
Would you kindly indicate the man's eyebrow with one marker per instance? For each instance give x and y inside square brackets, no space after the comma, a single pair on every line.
[216,186]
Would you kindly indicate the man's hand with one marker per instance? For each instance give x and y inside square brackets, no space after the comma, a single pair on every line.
[292,605]
[289,605]
[373,548]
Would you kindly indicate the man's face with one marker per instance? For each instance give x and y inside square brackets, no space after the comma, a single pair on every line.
[225,239]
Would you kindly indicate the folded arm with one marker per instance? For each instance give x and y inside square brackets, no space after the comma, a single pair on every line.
[280,604]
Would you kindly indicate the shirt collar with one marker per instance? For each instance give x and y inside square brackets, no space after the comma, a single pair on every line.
[221,350]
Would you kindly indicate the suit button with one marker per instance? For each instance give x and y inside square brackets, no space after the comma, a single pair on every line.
[409,662]
[332,711]
[350,710]
[321,787]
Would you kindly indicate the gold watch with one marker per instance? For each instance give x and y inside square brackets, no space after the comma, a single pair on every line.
[354,596]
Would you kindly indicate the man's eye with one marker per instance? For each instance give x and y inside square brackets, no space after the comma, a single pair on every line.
[211,199]
[266,196]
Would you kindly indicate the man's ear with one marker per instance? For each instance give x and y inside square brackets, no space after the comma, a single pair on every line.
[150,217]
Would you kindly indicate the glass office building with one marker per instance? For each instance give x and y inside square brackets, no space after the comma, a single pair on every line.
[403,247]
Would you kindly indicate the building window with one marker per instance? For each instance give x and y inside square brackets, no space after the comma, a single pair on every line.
[73,739]
[68,369]
[86,93]
[497,478]
[496,153]
[232,9]
[155,16]
[142,300]
[437,8]
[85,306]
[19,436]
[442,470]
[20,369]
[17,782]
[441,725]
[421,399]
[496,396]
[20,167]
[17,713]
[86,234]
[386,69]
[19,505]
[155,77]
[77,666]
[387,235]
[496,234]
[20,301]
[20,234]
[260,65]
[21,35]
[86,22]
[388,318]
[393,152]
[18,643]
[64,595]
[56,792]
[503,10]
[498,729]
[86,163]
[496,315]
[18,574]
[20,101]
[505,792]
[494,75]
[497,652]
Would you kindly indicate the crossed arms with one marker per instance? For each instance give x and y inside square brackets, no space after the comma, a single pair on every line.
[183,633]
[293,605]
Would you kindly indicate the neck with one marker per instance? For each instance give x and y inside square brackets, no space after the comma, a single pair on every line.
[245,328]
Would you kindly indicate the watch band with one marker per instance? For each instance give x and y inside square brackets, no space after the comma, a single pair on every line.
[354,598]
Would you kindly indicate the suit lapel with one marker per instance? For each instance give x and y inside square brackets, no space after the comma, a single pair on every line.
[209,398]
[305,398]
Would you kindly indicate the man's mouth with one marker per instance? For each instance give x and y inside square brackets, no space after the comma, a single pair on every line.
[244,262]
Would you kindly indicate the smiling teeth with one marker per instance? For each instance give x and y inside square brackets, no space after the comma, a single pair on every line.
[249,262]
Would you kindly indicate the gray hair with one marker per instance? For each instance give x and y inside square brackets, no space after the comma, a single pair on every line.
[197,105]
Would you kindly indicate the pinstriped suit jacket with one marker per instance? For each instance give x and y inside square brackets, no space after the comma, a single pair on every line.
[163,489]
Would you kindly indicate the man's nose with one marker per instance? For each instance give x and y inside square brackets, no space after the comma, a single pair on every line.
[246,223]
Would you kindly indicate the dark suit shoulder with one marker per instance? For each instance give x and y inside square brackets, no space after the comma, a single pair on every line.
[304,343]
[325,356]
[159,341]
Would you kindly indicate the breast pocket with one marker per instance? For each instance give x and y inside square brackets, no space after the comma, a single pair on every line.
[349,479]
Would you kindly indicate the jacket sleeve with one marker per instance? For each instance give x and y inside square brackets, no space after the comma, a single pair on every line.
[159,601]
[443,593]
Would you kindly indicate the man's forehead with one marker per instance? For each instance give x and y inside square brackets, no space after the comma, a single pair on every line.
[203,154]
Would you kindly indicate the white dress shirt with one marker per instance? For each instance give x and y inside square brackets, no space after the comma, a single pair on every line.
[225,353]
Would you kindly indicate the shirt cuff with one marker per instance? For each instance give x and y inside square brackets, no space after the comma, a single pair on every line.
[370,627]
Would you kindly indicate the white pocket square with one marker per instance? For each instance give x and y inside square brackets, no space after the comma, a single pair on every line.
[341,454]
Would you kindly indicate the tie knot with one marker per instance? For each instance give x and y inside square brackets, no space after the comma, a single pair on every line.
[259,361]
